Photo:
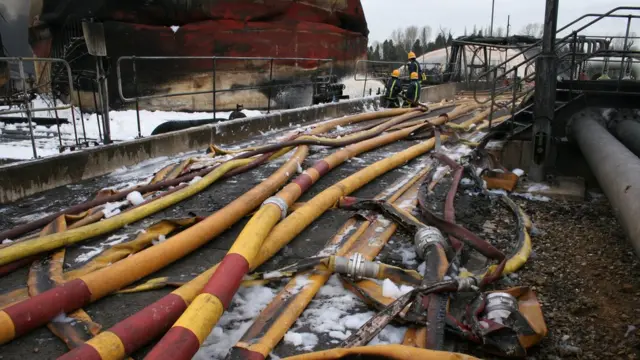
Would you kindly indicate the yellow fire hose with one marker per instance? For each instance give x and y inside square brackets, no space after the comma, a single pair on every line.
[275,320]
[293,190]
[395,352]
[192,328]
[96,285]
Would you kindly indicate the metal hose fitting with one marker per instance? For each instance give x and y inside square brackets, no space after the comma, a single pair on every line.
[284,208]
[425,237]
[467,284]
[356,267]
[500,306]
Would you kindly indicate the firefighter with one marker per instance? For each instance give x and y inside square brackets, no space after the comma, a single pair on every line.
[414,66]
[392,90]
[413,91]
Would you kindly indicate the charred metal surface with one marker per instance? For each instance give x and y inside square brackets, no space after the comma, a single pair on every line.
[285,28]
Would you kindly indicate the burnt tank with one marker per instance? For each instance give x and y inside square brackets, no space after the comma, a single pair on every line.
[328,29]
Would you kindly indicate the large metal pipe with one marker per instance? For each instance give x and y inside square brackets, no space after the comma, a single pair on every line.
[616,168]
[628,132]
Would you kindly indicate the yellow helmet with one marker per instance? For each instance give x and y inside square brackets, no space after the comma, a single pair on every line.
[414,76]
[412,55]
[395,73]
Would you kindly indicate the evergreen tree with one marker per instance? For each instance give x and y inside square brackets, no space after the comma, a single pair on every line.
[417,48]
[376,53]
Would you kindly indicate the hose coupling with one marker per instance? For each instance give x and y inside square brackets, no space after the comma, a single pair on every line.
[356,267]
[284,208]
[467,284]
[500,306]
[426,237]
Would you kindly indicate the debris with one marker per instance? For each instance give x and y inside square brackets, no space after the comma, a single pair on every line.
[630,329]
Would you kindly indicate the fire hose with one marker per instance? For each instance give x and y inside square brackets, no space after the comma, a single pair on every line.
[23,317]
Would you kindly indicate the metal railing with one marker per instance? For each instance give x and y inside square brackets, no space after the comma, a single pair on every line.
[378,70]
[136,97]
[572,41]
[24,96]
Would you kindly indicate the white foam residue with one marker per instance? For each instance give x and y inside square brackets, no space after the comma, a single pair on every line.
[532,197]
[273,275]
[422,268]
[301,282]
[336,312]
[63,318]
[466,182]
[391,290]
[34,216]
[135,198]
[408,253]
[195,180]
[379,229]
[498,191]
[96,250]
[161,238]
[305,340]
[246,305]
[537,187]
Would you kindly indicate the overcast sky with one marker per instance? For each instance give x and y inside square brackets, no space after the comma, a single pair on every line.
[383,16]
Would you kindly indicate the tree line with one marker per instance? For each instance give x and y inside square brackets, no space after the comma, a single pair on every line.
[404,40]
[418,40]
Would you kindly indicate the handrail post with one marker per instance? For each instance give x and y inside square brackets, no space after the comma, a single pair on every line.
[135,90]
[514,94]
[270,85]
[574,47]
[624,48]
[493,96]
[95,106]
[84,130]
[214,88]
[27,106]
[366,74]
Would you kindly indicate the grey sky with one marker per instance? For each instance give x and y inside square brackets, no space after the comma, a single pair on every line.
[384,16]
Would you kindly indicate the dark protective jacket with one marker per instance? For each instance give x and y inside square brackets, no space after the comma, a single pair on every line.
[413,92]
[393,88]
[414,66]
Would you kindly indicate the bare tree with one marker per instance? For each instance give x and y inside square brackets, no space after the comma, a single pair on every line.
[499,32]
[397,36]
[425,35]
[410,37]
[532,29]
[618,43]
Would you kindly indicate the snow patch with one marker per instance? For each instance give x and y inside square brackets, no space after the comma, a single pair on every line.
[6,241]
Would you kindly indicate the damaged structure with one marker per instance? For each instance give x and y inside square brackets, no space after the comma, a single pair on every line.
[282,29]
